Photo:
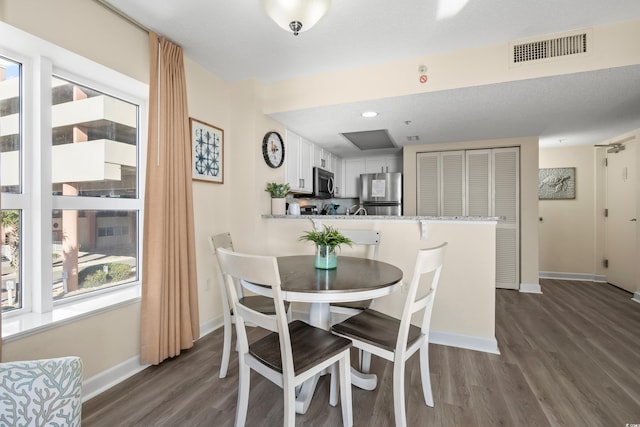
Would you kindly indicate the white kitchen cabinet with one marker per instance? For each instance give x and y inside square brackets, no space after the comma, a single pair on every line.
[318,157]
[383,164]
[299,160]
[353,167]
[337,176]
[352,170]
[323,159]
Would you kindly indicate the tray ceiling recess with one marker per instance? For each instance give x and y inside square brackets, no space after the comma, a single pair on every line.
[370,139]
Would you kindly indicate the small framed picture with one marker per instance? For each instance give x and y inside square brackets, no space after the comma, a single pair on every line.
[207,152]
[557,183]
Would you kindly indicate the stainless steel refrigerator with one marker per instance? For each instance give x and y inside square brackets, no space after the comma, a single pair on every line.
[381,193]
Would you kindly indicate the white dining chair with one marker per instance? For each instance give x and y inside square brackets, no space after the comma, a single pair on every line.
[257,302]
[370,240]
[397,339]
[293,353]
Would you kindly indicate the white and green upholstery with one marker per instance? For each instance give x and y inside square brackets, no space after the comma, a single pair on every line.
[44,392]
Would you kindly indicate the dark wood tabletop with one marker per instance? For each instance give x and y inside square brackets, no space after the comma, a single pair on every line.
[298,274]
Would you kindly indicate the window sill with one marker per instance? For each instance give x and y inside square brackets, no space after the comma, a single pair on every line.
[22,325]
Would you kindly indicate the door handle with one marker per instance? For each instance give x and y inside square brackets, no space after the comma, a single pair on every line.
[634,220]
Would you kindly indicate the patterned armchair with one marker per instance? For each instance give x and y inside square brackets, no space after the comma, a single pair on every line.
[44,392]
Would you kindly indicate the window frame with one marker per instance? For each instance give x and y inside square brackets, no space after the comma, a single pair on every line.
[41,61]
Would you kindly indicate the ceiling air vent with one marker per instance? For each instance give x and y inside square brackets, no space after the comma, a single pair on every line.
[548,48]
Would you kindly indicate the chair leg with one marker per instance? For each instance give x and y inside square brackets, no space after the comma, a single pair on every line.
[289,406]
[425,376]
[243,393]
[333,388]
[345,391]
[226,350]
[398,393]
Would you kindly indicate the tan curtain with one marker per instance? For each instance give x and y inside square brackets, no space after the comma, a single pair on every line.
[169,318]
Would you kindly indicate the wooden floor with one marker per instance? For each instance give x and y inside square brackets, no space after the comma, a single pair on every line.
[570,357]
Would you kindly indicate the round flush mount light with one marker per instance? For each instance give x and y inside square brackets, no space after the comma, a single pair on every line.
[369,114]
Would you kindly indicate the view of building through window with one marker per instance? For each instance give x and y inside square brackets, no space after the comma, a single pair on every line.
[10,179]
[94,159]
[92,249]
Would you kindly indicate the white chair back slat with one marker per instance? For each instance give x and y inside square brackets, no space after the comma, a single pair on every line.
[370,238]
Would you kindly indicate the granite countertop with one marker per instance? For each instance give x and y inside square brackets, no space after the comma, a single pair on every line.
[387,218]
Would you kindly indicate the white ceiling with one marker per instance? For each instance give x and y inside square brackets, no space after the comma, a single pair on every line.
[236,40]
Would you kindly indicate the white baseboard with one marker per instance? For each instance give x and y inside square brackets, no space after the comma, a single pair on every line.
[485,345]
[572,276]
[211,325]
[112,376]
[636,297]
[106,379]
[530,288]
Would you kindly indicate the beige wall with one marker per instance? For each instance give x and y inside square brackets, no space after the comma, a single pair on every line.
[86,28]
[528,193]
[568,227]
[465,301]
[465,68]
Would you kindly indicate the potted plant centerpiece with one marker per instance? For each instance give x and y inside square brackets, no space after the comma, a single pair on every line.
[326,242]
[278,193]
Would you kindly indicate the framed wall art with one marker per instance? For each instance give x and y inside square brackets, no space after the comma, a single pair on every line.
[207,152]
[557,183]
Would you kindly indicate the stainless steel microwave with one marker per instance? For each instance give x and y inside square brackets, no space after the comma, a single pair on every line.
[323,183]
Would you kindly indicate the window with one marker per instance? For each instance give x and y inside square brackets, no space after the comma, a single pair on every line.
[10,179]
[72,188]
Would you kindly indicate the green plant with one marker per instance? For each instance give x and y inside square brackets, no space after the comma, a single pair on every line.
[119,271]
[329,236]
[277,191]
[96,278]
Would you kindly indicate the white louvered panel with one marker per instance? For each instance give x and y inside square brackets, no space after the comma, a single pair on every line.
[453,166]
[507,256]
[478,182]
[506,184]
[428,184]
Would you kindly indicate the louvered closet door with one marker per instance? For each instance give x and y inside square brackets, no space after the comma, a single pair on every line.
[506,196]
[453,183]
[428,172]
[479,183]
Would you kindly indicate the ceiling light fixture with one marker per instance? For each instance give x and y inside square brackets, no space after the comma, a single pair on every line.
[296,15]
[369,114]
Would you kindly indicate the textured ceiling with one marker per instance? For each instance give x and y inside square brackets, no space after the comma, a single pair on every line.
[237,41]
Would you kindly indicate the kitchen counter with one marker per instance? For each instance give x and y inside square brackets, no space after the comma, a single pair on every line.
[387,218]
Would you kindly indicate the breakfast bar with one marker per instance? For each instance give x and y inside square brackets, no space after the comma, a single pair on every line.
[464,309]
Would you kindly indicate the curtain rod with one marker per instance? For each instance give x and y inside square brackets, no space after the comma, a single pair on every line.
[123,15]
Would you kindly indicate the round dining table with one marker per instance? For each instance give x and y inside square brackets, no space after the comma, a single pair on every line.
[354,279]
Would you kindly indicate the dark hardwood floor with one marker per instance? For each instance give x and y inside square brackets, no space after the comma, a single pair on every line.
[570,357]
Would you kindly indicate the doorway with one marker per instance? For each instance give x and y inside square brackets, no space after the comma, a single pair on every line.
[621,221]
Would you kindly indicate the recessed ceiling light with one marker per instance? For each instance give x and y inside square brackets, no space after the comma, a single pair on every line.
[369,114]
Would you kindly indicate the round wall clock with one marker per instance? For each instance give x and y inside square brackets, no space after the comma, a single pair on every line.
[273,149]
